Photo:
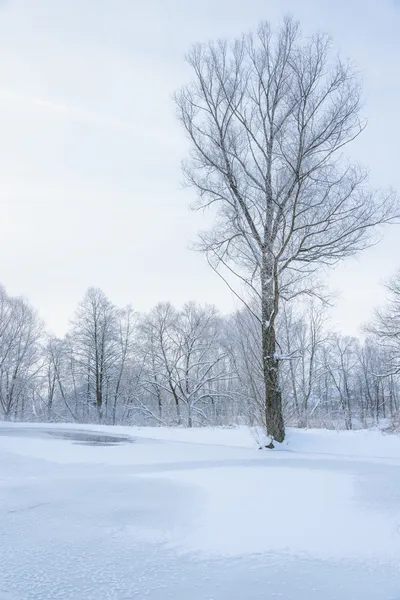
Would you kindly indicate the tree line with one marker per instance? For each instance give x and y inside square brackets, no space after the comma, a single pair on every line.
[194,367]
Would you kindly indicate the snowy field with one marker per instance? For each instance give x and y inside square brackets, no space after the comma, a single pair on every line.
[197,515]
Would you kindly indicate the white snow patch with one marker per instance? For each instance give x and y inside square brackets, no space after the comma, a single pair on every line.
[293,510]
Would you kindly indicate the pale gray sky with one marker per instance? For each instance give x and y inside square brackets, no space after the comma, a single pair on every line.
[90,148]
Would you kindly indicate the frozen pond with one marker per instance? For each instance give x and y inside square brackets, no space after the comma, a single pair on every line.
[163,520]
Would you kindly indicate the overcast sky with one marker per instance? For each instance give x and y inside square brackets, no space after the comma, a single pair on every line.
[90,148]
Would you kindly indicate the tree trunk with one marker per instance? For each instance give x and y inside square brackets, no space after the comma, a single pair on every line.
[22,409]
[50,405]
[178,411]
[270,360]
[160,415]
[273,397]
[99,405]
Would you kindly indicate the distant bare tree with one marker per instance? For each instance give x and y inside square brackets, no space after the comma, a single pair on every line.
[385,326]
[244,343]
[341,362]
[55,391]
[51,369]
[160,357]
[20,333]
[126,330]
[302,340]
[200,366]
[378,382]
[95,345]
[185,362]
[268,117]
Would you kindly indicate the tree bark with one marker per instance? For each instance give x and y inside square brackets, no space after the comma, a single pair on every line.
[99,404]
[273,397]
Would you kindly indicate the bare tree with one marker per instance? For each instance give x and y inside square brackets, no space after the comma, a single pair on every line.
[161,355]
[186,364]
[268,117]
[303,337]
[200,366]
[126,322]
[341,362]
[385,326]
[51,367]
[95,345]
[54,391]
[381,355]
[244,343]
[20,333]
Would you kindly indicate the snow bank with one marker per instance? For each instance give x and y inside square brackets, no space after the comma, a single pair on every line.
[362,444]
[366,443]
[355,444]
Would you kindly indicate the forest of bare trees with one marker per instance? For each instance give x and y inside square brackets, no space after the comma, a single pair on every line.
[192,366]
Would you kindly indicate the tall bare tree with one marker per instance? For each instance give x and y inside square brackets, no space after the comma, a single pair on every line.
[268,117]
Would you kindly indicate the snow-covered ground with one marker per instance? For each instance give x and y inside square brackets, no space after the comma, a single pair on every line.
[198,515]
